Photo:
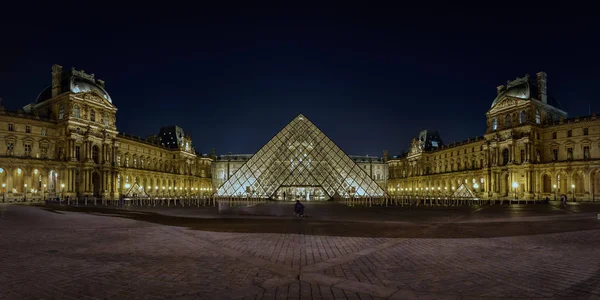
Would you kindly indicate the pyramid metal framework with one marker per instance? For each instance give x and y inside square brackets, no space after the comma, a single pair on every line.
[463,192]
[300,155]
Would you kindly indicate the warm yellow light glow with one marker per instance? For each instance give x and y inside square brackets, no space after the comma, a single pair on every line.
[26,185]
[35,171]
[19,171]
[554,186]
[62,185]
[156,187]
[572,186]
[4,185]
[44,185]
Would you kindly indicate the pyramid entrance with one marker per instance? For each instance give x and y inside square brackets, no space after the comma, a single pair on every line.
[300,163]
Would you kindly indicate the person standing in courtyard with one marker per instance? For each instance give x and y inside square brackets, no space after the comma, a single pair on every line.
[299,208]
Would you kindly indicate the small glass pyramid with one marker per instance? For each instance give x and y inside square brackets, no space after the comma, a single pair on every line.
[300,161]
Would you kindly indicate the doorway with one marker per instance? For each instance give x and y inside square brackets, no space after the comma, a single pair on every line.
[96,185]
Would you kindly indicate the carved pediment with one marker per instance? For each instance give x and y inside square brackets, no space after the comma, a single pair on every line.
[506,103]
[95,96]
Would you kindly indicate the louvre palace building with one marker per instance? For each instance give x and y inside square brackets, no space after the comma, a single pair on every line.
[66,144]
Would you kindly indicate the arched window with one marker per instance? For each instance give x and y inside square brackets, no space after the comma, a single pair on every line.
[538,117]
[494,124]
[95,151]
[523,117]
[92,115]
[76,111]
[61,111]
[507,123]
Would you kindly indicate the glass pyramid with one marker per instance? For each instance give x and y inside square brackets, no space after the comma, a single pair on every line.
[463,192]
[300,160]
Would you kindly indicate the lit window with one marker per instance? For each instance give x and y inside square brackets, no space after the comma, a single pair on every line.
[586,152]
[522,117]
[538,117]
[76,111]
[494,124]
[43,131]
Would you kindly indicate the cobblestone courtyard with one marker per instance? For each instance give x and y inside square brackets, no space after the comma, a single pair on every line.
[474,253]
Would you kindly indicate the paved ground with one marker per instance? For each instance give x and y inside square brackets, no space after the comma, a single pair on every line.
[337,253]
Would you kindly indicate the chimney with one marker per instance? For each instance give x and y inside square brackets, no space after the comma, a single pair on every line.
[542,78]
[500,89]
[385,155]
[56,79]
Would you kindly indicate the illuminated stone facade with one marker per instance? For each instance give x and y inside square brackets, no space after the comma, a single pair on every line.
[66,144]
[530,150]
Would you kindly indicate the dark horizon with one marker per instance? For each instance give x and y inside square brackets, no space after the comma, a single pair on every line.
[370,81]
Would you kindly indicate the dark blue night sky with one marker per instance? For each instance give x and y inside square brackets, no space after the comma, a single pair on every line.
[370,79]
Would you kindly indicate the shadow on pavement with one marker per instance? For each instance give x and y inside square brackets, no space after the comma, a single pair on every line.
[370,228]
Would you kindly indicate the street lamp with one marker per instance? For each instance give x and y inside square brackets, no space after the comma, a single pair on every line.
[25,190]
[3,192]
[62,185]
[44,192]
[515,185]
[554,191]
[573,191]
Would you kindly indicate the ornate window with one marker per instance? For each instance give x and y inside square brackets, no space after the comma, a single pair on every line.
[61,111]
[93,115]
[27,129]
[586,152]
[95,151]
[505,156]
[507,122]
[44,151]
[569,133]
[27,149]
[494,124]
[538,116]
[76,111]
[10,148]
[43,131]
[585,131]
[555,154]
[522,117]
[11,127]
[570,153]
[78,152]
